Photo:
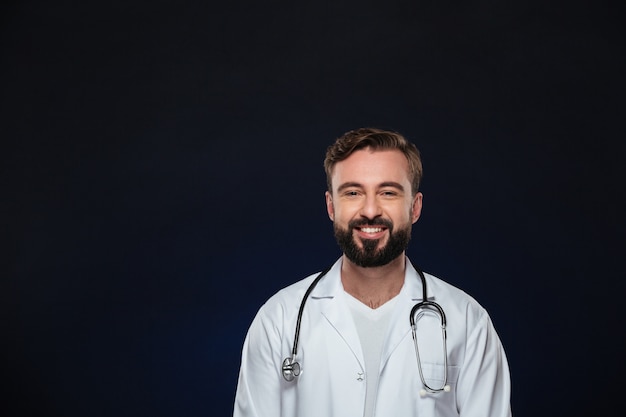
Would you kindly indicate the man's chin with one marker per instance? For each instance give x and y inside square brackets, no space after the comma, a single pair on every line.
[369,244]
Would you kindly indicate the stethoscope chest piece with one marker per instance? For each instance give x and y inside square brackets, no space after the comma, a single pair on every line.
[291,369]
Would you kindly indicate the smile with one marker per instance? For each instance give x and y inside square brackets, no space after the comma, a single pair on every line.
[372,229]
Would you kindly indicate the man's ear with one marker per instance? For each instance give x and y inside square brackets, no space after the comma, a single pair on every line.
[330,209]
[416,209]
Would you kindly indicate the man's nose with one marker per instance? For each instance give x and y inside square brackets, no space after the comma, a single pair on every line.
[371,207]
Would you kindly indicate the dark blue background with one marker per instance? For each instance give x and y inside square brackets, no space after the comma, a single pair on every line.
[161,172]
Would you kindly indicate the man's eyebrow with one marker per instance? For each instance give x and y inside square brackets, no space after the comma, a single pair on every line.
[355,184]
[348,185]
[392,184]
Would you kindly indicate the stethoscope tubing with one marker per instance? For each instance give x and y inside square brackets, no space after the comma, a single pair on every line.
[291,368]
[296,337]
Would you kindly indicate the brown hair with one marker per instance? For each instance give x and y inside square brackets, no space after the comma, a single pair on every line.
[375,139]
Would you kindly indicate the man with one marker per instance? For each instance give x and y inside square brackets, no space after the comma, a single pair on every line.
[355,355]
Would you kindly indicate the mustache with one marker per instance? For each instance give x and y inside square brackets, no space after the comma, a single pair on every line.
[370,222]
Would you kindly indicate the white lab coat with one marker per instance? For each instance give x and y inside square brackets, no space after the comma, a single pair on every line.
[332,380]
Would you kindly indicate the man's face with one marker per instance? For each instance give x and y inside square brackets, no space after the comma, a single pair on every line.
[372,207]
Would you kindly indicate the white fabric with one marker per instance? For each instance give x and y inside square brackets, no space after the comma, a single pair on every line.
[331,357]
[371,325]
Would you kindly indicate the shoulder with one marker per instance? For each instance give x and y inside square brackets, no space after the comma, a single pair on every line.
[286,301]
[441,287]
[457,303]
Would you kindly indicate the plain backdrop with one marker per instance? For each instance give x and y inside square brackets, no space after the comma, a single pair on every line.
[161,177]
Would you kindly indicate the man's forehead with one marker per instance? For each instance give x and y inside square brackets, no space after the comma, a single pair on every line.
[369,167]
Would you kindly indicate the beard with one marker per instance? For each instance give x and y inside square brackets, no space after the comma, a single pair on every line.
[370,255]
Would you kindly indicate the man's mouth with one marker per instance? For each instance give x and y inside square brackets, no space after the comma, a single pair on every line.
[371,232]
[371,229]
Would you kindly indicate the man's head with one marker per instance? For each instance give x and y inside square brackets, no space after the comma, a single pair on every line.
[375,139]
[373,200]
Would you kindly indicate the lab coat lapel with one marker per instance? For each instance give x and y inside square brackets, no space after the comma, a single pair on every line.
[335,309]
[399,326]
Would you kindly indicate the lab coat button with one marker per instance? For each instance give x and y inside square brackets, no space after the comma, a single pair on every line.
[359,376]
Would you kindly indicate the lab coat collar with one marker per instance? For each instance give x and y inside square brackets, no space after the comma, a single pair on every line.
[399,326]
[337,312]
[330,287]
[413,284]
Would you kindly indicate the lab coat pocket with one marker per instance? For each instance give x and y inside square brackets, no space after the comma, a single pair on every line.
[435,376]
[442,402]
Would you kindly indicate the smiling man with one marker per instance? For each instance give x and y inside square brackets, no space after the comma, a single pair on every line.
[372,206]
[370,340]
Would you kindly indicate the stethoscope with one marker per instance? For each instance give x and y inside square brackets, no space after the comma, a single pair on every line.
[291,367]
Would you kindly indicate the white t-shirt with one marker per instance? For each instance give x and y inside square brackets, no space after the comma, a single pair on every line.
[372,325]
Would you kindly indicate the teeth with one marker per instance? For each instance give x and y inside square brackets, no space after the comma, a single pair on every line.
[371,229]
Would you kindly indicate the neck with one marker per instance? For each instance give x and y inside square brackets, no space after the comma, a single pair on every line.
[373,286]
